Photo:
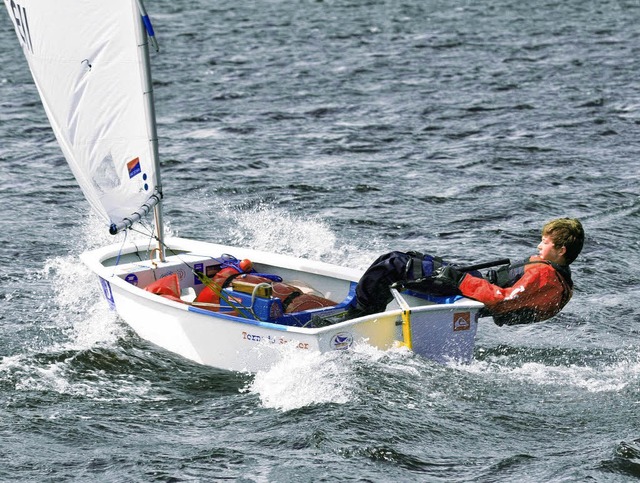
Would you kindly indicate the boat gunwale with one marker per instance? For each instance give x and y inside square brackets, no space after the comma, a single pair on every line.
[94,260]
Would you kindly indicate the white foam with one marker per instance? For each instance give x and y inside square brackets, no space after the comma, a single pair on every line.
[612,377]
[77,294]
[59,377]
[75,318]
[79,306]
[273,229]
[303,378]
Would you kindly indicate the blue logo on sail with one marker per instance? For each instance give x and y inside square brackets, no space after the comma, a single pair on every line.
[134,167]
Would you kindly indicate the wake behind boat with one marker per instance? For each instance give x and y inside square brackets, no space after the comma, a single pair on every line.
[226,307]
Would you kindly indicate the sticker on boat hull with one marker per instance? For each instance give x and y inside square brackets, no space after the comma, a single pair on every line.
[341,341]
[108,294]
[197,268]
[461,321]
[132,278]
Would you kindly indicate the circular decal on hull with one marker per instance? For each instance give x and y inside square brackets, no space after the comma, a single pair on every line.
[341,341]
[132,278]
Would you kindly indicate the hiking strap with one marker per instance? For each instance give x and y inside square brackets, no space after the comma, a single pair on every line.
[413,268]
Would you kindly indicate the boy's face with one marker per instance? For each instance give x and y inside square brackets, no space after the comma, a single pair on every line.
[548,251]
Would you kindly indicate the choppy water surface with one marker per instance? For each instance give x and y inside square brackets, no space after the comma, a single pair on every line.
[338,130]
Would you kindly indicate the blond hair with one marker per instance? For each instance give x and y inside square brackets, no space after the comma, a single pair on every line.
[568,233]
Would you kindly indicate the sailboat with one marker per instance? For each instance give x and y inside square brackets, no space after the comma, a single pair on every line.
[232,308]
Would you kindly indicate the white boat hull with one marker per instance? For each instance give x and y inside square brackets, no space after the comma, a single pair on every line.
[240,344]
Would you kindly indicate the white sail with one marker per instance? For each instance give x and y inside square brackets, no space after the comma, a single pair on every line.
[89,61]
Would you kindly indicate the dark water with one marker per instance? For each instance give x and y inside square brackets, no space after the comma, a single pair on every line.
[337,130]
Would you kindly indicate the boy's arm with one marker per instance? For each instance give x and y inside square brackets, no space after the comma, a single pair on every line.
[534,290]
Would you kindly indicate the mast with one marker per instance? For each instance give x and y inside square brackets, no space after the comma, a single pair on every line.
[146,34]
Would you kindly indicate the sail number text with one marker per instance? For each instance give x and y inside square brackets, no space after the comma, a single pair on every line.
[22,24]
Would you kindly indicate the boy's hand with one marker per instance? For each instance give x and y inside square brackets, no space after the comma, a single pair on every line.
[448,277]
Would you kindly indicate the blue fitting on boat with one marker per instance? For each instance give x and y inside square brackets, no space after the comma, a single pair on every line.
[147,25]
